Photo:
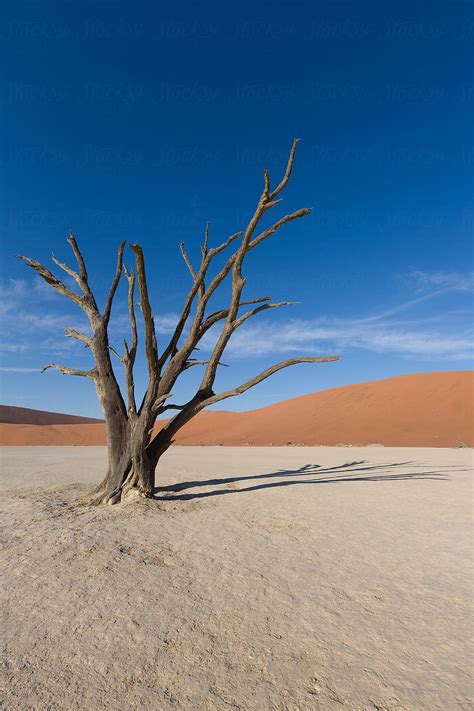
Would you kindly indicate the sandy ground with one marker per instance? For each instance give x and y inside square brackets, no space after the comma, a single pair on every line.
[279,579]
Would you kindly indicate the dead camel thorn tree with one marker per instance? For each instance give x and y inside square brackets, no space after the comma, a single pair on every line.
[133,451]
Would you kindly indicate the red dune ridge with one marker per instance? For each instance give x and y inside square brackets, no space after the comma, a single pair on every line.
[26,416]
[421,410]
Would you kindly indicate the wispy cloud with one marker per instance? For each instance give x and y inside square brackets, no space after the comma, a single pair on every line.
[13,288]
[445,281]
[322,336]
[13,369]
[164,323]
[442,335]
[397,330]
[15,347]
[167,323]
[33,328]
[41,327]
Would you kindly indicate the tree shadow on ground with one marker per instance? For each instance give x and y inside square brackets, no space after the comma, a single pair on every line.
[355,471]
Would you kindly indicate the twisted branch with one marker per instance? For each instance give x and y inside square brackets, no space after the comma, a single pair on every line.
[263,376]
[53,281]
[72,333]
[131,351]
[170,349]
[151,347]
[115,283]
[266,202]
[70,371]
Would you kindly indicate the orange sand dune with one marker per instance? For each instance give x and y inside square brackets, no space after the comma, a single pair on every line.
[26,416]
[422,410]
[52,435]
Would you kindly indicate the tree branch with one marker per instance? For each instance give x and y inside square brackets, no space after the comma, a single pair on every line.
[266,179]
[288,170]
[131,278]
[220,276]
[66,269]
[151,348]
[72,333]
[206,241]
[302,212]
[86,302]
[173,407]
[70,371]
[82,278]
[115,283]
[238,322]
[263,376]
[172,345]
[117,354]
[159,401]
[223,313]
[266,202]
[79,258]
[187,260]
[189,363]
[53,281]
[179,357]
[131,352]
[108,389]
[202,287]
[150,335]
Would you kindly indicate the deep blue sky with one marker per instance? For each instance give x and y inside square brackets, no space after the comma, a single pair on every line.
[141,121]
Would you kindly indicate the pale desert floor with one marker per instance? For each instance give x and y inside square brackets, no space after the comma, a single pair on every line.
[264,579]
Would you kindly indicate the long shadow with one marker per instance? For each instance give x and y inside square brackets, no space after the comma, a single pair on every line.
[355,471]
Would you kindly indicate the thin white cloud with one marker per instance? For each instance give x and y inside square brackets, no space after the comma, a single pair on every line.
[320,338]
[13,288]
[442,335]
[14,347]
[450,281]
[166,323]
[19,370]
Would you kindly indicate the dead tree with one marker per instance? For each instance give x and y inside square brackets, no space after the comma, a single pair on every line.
[133,450]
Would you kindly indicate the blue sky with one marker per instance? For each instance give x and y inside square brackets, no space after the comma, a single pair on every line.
[141,122]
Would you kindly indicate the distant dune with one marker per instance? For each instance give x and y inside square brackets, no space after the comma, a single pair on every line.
[422,410]
[26,416]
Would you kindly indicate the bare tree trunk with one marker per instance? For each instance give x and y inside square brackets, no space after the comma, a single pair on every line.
[142,473]
[129,464]
[118,427]
[119,464]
